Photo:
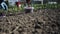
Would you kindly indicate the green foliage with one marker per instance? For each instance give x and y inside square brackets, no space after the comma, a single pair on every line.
[48,6]
[36,6]
[15,9]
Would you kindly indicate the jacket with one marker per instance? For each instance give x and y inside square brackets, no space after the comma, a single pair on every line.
[1,1]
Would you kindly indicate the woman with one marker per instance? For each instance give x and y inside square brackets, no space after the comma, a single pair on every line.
[27,2]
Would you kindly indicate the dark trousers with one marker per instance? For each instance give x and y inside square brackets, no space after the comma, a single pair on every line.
[27,10]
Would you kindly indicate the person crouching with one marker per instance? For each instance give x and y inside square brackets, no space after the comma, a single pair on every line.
[29,9]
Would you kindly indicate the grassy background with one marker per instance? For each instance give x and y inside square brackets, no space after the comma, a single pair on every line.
[36,6]
[14,9]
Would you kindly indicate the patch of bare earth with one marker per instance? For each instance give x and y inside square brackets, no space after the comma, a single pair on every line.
[45,21]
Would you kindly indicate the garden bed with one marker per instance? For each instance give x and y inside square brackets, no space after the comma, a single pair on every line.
[43,21]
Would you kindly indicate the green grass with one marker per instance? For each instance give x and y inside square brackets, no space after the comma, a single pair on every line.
[14,9]
[49,6]
[36,6]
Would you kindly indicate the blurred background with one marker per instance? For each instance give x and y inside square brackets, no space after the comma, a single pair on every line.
[35,3]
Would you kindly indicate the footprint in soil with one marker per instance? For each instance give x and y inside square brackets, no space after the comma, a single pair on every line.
[0,29]
[12,33]
[37,27]
[35,32]
[38,24]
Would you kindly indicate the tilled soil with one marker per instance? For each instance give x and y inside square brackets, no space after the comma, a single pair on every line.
[44,21]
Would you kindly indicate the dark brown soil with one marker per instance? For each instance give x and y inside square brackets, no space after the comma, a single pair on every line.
[44,21]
